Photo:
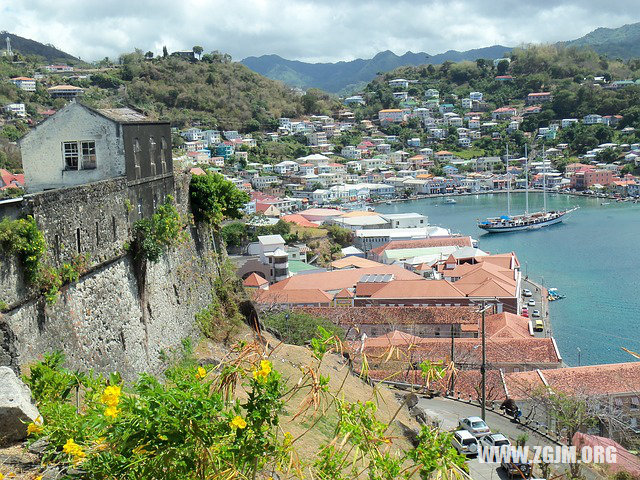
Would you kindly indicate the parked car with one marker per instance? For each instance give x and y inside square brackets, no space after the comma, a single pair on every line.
[517,469]
[527,293]
[538,326]
[535,313]
[464,442]
[531,303]
[475,425]
[495,440]
[525,314]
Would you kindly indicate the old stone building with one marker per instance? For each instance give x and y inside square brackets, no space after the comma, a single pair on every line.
[91,173]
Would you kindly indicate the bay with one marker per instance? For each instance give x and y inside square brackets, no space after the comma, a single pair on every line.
[593,257]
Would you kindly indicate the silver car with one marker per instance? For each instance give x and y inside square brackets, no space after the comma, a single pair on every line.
[475,425]
[465,443]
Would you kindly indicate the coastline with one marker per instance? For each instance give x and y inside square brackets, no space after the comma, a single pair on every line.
[494,192]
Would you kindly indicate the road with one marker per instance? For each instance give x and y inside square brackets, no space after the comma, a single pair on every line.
[542,304]
[447,413]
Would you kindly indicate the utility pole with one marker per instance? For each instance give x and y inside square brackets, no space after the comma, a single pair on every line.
[453,360]
[483,366]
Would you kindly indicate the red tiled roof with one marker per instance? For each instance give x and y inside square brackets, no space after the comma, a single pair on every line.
[397,315]
[11,180]
[424,243]
[344,293]
[526,352]
[397,289]
[593,380]
[298,220]
[254,280]
[306,296]
[339,279]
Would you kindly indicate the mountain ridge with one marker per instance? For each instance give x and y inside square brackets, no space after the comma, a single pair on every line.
[345,76]
[622,42]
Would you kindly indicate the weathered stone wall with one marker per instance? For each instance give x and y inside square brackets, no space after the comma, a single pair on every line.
[107,322]
[117,316]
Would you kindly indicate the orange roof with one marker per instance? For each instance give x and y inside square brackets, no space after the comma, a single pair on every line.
[298,220]
[254,280]
[64,87]
[424,243]
[344,293]
[355,262]
[418,289]
[507,325]
[592,380]
[23,78]
[302,297]
[444,152]
[197,171]
[529,352]
[398,316]
[339,279]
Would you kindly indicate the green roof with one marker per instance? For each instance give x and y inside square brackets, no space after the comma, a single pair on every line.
[297,266]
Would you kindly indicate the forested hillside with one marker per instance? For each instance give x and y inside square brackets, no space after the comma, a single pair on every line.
[27,47]
[567,72]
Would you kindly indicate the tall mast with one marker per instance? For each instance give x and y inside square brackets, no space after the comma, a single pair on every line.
[544,178]
[526,180]
[508,183]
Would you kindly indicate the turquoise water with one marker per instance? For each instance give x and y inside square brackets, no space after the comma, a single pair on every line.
[593,257]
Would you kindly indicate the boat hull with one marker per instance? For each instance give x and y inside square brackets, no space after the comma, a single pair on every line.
[517,228]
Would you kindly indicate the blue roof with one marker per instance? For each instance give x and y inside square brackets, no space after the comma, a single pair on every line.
[505,217]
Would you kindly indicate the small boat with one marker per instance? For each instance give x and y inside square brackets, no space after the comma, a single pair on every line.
[388,202]
[450,201]
[605,203]
[553,294]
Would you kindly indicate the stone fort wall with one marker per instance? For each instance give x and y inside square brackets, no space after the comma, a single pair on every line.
[109,319]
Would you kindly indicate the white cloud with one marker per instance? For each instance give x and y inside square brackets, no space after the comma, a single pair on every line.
[330,30]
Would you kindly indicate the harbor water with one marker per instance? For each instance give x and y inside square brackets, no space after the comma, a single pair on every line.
[593,257]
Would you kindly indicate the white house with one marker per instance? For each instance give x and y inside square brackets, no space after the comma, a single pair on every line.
[16,109]
[286,167]
[432,93]
[567,122]
[467,103]
[399,83]
[211,137]
[25,83]
[592,119]
[391,115]
[351,152]
[475,96]
[79,145]
[405,220]
[192,134]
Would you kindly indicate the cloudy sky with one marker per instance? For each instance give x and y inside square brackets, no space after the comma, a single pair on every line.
[323,30]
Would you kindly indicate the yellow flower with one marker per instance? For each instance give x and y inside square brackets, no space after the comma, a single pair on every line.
[1,476]
[39,477]
[111,396]
[34,428]
[75,450]
[265,370]
[201,373]
[238,422]
[111,412]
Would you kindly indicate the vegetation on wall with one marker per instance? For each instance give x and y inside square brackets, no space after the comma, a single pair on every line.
[221,319]
[213,198]
[165,229]
[23,238]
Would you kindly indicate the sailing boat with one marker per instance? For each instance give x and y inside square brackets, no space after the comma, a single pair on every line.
[527,221]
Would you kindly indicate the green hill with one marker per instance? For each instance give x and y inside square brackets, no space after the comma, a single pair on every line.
[623,42]
[49,53]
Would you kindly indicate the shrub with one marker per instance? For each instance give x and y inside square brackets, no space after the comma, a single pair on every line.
[213,198]
[164,229]
[193,425]
[23,238]
[298,328]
